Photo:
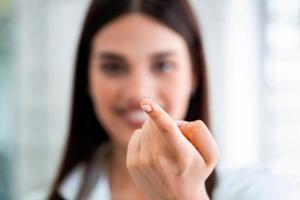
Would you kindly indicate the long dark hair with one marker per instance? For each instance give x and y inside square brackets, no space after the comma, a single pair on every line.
[86,133]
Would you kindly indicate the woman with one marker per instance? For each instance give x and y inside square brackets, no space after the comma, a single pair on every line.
[124,146]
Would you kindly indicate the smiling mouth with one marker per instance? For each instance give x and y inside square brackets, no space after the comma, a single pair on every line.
[132,115]
[134,118]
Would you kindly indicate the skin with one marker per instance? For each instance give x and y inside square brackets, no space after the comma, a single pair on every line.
[169,161]
[133,57]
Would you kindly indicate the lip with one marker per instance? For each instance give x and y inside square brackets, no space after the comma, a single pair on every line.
[123,112]
[134,118]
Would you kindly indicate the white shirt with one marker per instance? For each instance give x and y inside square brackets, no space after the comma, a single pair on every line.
[245,184]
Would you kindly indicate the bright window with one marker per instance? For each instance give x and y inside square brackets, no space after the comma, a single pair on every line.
[281,89]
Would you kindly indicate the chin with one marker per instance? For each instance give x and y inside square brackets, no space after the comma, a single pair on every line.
[122,140]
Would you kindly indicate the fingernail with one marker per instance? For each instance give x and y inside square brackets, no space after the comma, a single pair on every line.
[181,123]
[146,107]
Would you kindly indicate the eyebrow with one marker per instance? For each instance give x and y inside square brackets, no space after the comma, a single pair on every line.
[120,57]
[111,56]
[162,54]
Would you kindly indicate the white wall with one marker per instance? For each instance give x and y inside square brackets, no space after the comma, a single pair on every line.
[231,32]
[47,33]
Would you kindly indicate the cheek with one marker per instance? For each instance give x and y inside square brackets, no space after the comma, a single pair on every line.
[102,95]
[177,94]
[102,99]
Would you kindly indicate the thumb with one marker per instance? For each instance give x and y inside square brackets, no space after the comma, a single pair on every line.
[201,138]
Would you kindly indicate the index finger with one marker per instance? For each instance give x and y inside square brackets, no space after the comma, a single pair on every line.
[161,118]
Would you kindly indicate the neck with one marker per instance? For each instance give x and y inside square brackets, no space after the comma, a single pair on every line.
[117,161]
[121,184]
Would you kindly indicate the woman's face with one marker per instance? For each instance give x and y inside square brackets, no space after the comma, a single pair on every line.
[135,57]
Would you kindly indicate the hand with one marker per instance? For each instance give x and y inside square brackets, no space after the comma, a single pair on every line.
[171,162]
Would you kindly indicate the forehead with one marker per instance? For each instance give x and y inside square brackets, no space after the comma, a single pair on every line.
[137,34]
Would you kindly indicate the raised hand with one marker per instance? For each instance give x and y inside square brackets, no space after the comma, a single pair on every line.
[168,161]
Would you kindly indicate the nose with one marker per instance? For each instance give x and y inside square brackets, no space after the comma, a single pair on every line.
[138,85]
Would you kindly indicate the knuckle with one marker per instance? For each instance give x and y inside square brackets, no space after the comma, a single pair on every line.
[182,166]
[132,165]
[200,123]
[156,161]
[182,162]
[144,163]
[201,126]
[214,159]
[161,162]
[166,128]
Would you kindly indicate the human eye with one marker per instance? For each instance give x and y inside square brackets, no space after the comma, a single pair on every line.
[164,66]
[113,68]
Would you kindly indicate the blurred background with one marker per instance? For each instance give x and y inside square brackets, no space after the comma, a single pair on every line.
[253,49]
